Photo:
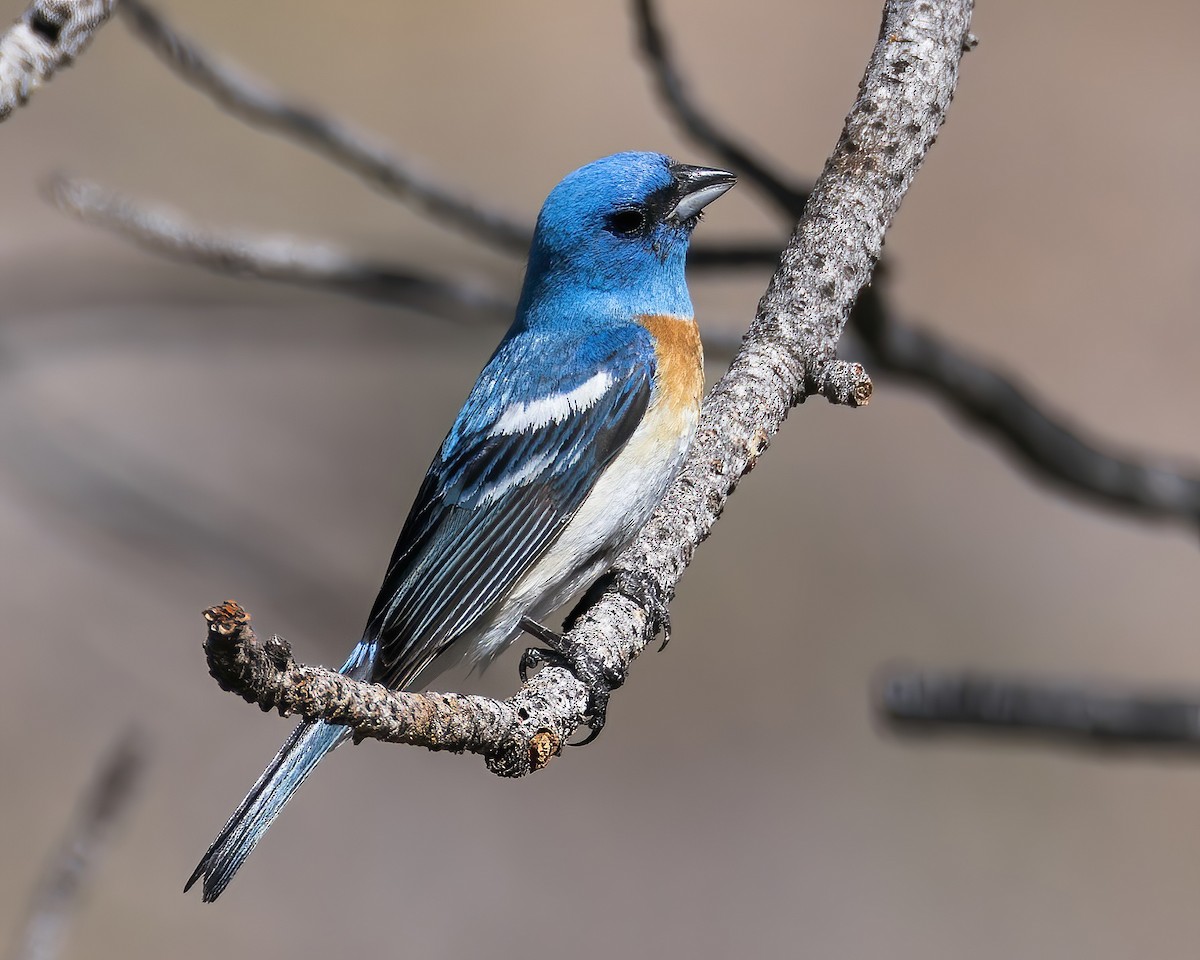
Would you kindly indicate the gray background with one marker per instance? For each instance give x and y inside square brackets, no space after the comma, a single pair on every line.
[172,439]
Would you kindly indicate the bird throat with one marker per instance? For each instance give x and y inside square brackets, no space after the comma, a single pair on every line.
[680,357]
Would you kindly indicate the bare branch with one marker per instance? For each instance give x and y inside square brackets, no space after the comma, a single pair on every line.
[696,122]
[516,736]
[285,259]
[990,401]
[788,354]
[928,701]
[247,98]
[997,405]
[289,259]
[48,35]
[994,403]
[42,935]
[730,256]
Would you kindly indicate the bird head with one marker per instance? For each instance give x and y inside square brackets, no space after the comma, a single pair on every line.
[615,233]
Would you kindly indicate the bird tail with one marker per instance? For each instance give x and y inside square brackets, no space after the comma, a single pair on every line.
[310,741]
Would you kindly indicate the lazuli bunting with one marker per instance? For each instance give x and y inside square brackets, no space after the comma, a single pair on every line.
[569,439]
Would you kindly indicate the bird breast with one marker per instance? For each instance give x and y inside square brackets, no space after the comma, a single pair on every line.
[679,381]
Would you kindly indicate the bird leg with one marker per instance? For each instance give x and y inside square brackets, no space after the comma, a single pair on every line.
[563,653]
[646,591]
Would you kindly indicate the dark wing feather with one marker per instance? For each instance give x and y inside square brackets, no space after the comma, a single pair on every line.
[467,542]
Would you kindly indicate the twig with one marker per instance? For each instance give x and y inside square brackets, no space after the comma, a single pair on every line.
[42,935]
[245,97]
[249,99]
[988,399]
[788,355]
[697,123]
[48,35]
[996,404]
[991,401]
[288,259]
[285,259]
[730,256]
[503,730]
[929,701]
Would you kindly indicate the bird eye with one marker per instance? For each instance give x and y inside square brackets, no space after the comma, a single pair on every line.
[627,222]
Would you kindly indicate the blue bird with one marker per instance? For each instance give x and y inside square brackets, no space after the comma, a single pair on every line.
[568,441]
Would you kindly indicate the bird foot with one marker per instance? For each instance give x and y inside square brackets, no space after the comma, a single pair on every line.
[644,590]
[640,588]
[561,652]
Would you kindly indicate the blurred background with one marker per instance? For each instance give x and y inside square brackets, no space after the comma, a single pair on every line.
[172,438]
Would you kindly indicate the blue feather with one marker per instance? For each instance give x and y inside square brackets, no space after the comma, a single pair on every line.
[556,404]
[462,548]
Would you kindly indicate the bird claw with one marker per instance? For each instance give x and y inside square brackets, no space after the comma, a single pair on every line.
[664,617]
[646,592]
[599,681]
[538,656]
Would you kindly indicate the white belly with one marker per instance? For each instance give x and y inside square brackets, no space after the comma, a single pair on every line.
[617,508]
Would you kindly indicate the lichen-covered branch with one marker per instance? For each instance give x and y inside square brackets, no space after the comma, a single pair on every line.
[990,401]
[516,736]
[790,351]
[48,35]
[923,701]
[789,354]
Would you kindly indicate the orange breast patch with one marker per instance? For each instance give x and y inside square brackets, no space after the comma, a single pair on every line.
[680,358]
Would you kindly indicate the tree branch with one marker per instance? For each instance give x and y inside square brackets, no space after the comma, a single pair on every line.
[504,731]
[248,99]
[999,406]
[733,255]
[285,259]
[788,354]
[48,35]
[918,700]
[291,260]
[697,123]
[252,101]
[990,401]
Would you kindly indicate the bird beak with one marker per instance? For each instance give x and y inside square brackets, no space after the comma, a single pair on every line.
[696,188]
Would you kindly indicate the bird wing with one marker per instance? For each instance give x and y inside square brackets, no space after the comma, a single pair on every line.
[542,423]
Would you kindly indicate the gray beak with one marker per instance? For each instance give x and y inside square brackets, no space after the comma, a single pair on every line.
[696,188]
